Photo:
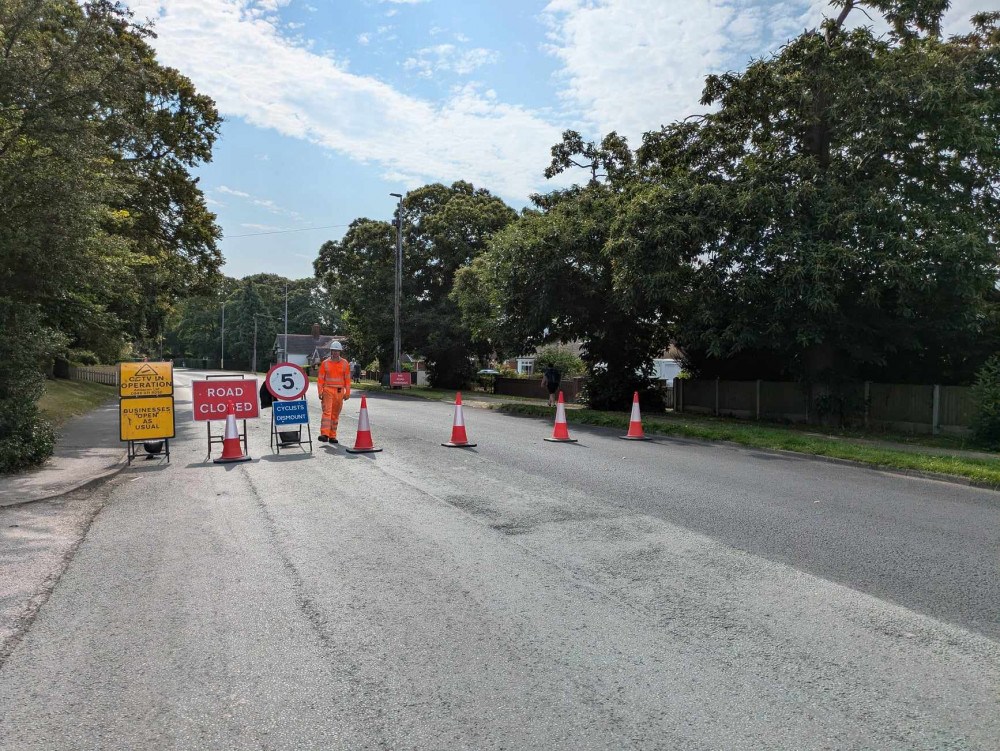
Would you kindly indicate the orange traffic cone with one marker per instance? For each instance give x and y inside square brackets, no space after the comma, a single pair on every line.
[231,451]
[635,423]
[363,441]
[561,432]
[459,439]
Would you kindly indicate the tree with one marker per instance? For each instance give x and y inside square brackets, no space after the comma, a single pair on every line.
[358,272]
[546,279]
[102,227]
[835,217]
[444,229]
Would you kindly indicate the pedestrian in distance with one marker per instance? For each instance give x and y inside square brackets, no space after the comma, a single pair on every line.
[334,386]
[551,379]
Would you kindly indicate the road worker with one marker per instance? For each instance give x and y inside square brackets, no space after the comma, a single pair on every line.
[334,385]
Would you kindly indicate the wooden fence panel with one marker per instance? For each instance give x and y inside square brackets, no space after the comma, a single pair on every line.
[106,374]
[957,409]
[738,398]
[906,406]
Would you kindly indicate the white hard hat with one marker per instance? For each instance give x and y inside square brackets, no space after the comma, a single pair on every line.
[336,346]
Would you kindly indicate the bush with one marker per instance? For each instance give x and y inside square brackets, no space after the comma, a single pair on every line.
[26,349]
[986,394]
[604,390]
[82,357]
[562,358]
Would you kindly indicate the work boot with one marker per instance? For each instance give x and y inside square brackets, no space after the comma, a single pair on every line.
[323,438]
[334,440]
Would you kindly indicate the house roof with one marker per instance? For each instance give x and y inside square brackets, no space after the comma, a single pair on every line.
[306,344]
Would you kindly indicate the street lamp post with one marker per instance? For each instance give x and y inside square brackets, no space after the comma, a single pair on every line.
[222,360]
[398,280]
[255,317]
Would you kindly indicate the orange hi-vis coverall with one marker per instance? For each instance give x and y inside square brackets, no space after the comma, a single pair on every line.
[334,384]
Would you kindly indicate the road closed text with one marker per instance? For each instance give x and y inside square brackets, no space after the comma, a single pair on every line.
[211,399]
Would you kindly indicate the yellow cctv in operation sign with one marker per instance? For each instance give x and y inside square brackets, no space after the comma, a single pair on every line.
[146,379]
[146,418]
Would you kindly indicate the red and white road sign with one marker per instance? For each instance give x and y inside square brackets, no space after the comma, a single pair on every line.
[399,379]
[287,381]
[212,397]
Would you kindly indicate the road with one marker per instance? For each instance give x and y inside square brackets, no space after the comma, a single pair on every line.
[520,595]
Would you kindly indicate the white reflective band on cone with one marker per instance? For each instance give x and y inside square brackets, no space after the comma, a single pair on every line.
[231,430]
[363,422]
[560,412]
[635,412]
[459,418]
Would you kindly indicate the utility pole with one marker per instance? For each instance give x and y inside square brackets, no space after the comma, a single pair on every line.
[398,280]
[285,353]
[222,361]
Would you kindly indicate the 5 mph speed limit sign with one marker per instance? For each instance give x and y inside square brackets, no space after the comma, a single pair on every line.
[287,381]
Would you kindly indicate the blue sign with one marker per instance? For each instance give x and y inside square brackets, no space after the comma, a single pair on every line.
[290,413]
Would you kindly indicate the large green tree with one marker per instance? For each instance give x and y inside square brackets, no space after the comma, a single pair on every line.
[836,215]
[546,278]
[101,225]
[444,229]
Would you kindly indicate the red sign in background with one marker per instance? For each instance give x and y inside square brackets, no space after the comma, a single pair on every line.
[211,399]
[399,379]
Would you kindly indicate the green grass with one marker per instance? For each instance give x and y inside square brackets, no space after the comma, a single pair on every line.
[63,400]
[980,471]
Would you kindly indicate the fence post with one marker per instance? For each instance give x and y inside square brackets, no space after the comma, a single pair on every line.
[678,395]
[758,398]
[936,411]
[868,400]
[717,396]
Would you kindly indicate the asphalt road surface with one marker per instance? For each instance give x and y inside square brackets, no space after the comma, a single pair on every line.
[520,595]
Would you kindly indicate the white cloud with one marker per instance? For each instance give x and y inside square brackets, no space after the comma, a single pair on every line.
[231,192]
[365,38]
[632,65]
[262,227]
[252,71]
[448,57]
[264,203]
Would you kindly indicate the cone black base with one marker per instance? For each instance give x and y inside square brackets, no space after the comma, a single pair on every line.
[232,461]
[363,451]
[634,438]
[458,445]
[561,440]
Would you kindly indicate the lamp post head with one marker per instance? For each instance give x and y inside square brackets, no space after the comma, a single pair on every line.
[396,195]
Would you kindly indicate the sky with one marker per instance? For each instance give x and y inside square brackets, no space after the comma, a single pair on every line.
[330,105]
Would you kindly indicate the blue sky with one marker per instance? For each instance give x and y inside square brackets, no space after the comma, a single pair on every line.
[330,105]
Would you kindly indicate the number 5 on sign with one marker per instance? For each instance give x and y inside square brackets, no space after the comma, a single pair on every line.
[287,381]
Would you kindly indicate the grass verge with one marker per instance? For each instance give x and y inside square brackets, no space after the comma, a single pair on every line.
[64,400]
[984,472]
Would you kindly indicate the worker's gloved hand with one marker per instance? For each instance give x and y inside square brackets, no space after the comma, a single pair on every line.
[347,395]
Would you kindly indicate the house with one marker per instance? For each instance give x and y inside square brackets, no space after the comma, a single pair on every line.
[305,350]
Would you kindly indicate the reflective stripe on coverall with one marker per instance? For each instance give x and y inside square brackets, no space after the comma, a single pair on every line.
[334,385]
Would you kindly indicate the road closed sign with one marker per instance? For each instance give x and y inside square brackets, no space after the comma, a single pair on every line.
[146,418]
[287,381]
[212,398]
[145,379]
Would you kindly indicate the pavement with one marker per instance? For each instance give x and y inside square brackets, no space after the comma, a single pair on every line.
[87,450]
[520,595]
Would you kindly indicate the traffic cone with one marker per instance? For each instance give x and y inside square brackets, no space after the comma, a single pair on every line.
[635,423]
[363,441]
[459,439]
[231,451]
[561,432]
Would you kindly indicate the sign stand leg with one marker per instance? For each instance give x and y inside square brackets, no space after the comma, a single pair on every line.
[167,447]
